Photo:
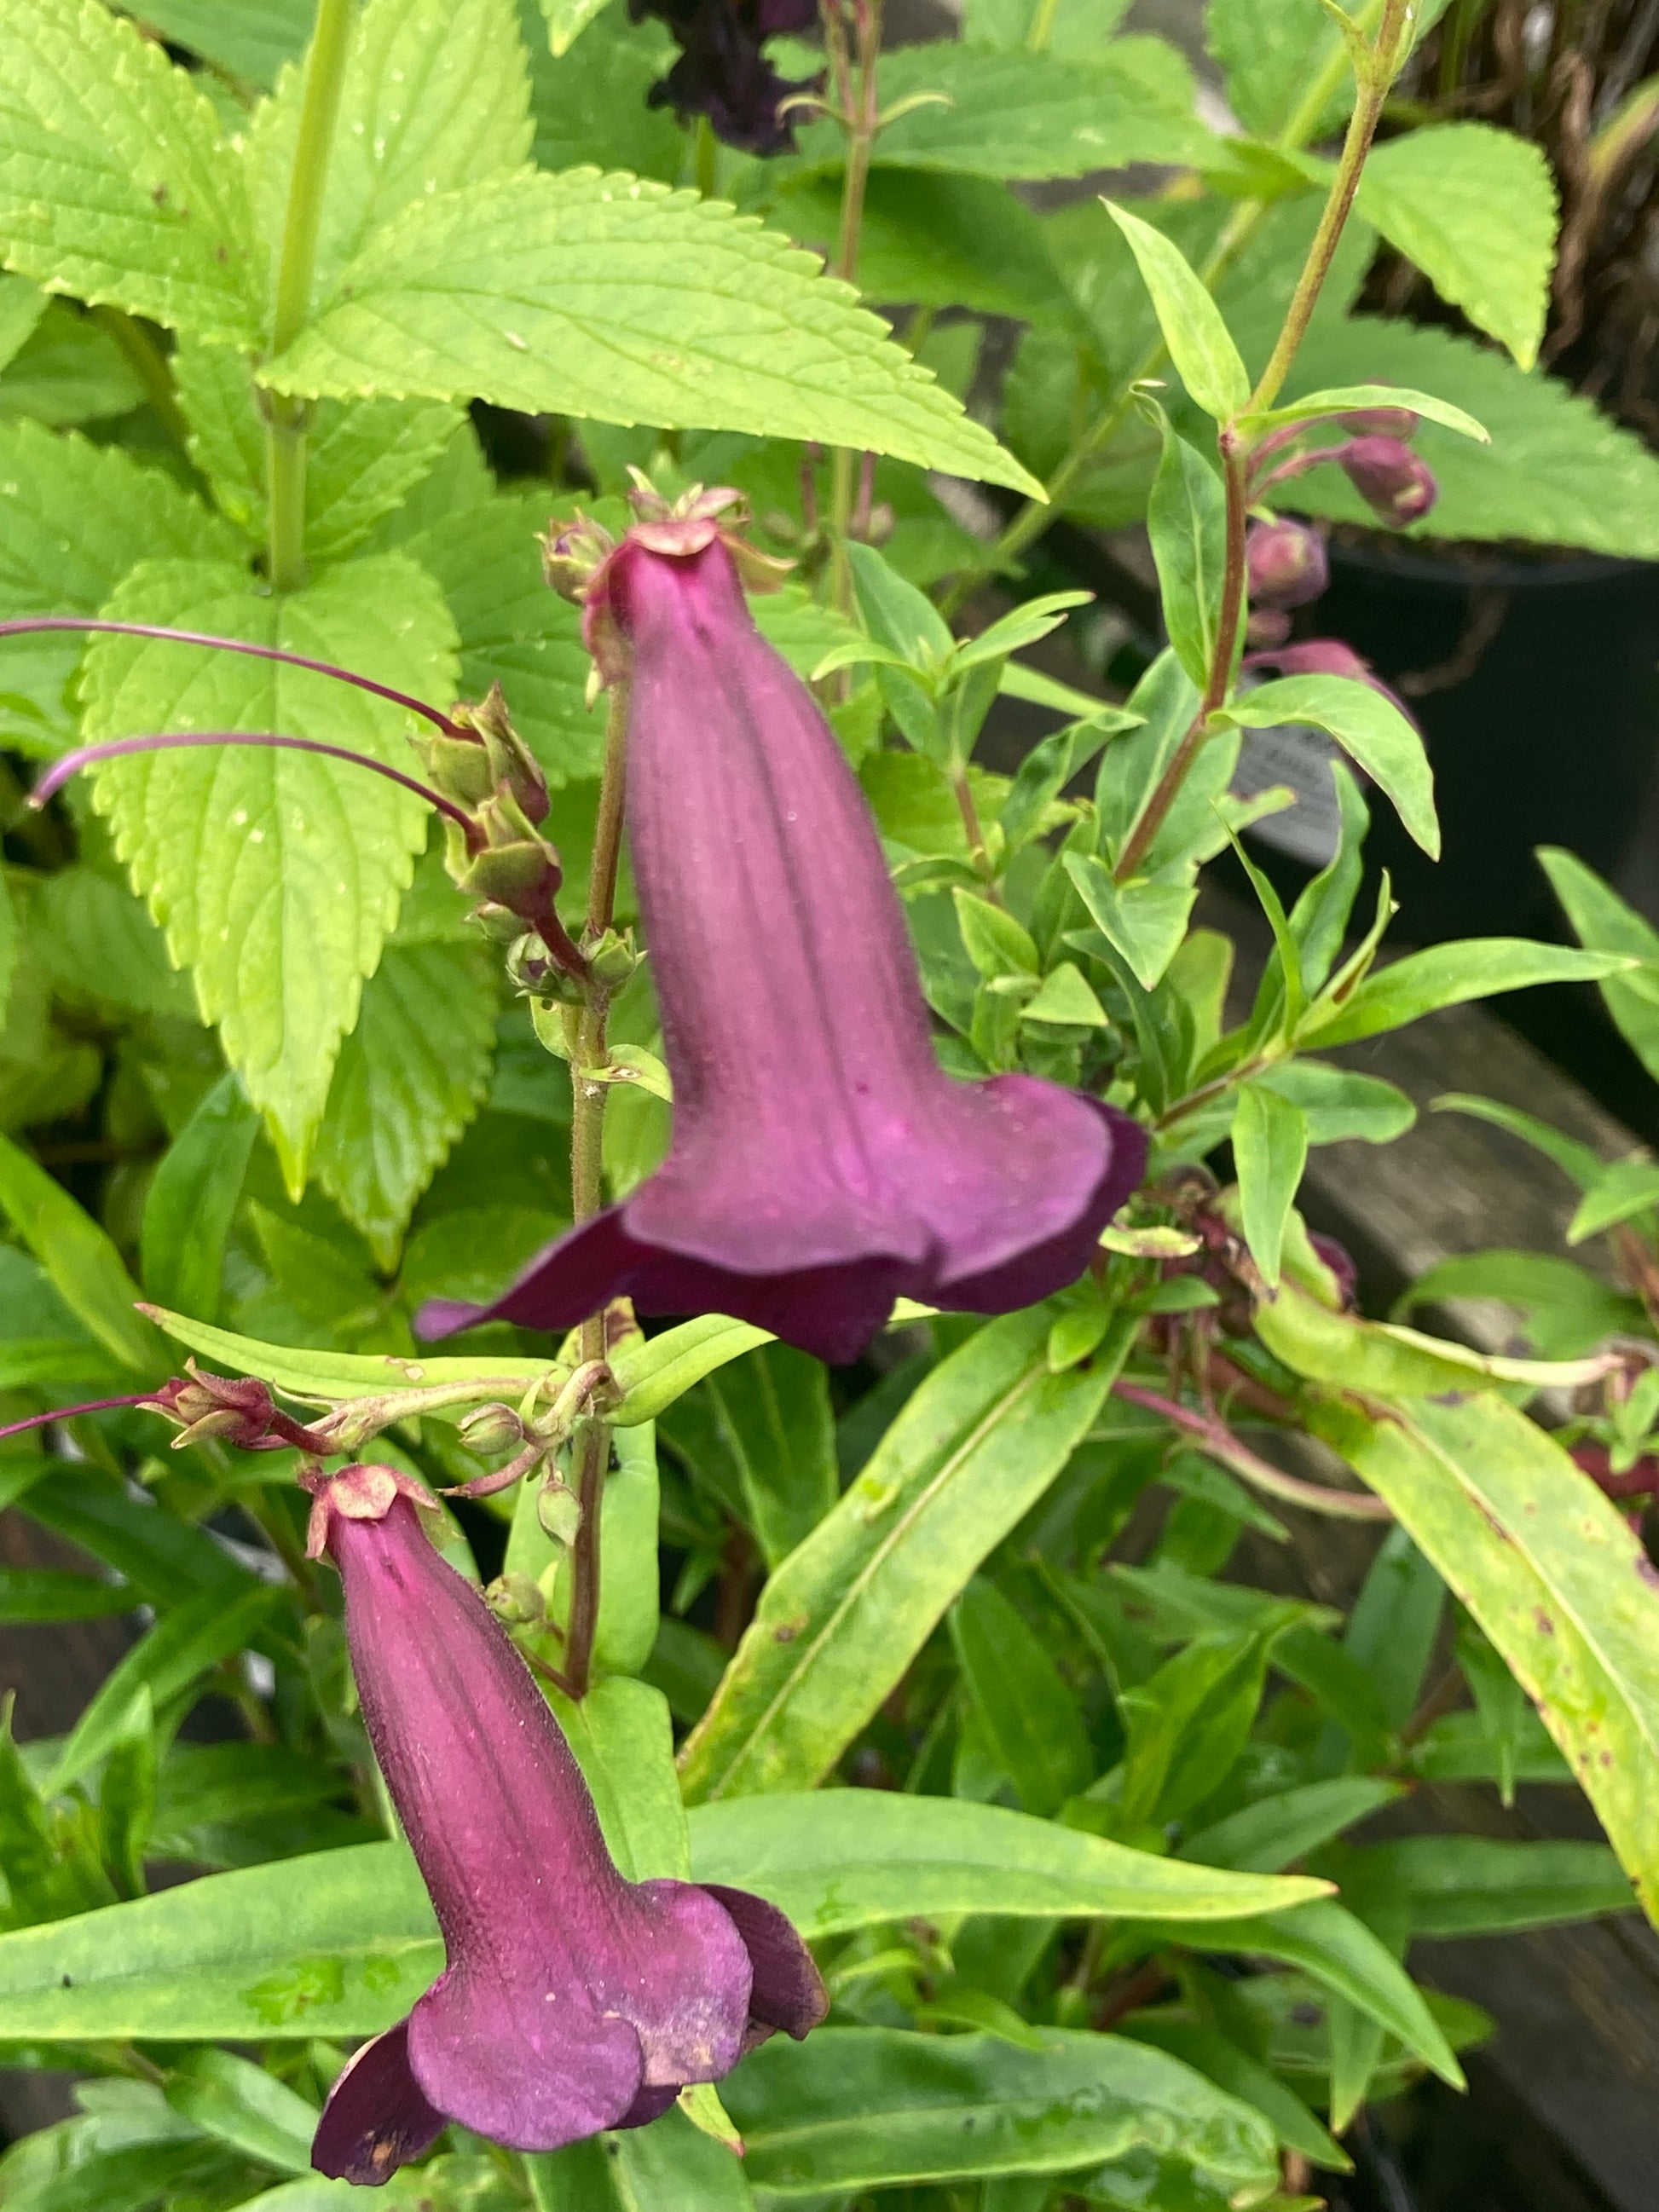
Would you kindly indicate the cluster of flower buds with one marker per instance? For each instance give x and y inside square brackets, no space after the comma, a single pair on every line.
[239,1411]
[1287,565]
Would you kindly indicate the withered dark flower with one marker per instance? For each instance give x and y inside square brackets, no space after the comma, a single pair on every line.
[722,71]
[573,1999]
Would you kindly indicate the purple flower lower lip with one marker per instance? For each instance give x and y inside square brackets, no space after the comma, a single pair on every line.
[823,1163]
[573,1999]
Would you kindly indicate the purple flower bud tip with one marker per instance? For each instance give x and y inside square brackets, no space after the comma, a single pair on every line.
[1286,564]
[823,1163]
[1340,1262]
[573,1999]
[1397,484]
[721,71]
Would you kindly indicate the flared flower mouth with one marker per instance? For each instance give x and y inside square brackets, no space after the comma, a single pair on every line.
[823,1163]
[573,1999]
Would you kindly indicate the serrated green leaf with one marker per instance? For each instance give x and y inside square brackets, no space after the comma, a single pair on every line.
[8,940]
[21,306]
[592,102]
[123,513]
[1370,728]
[276,874]
[411,124]
[568,19]
[631,303]
[115,183]
[363,457]
[1076,29]
[1556,471]
[1476,208]
[252,40]
[1029,115]
[409,1078]
[1199,343]
[976,1446]
[101,948]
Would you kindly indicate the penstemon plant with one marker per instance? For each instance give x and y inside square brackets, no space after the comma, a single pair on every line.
[723,1284]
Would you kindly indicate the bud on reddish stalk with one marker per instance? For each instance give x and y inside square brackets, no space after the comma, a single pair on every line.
[1397,484]
[1285,564]
[1325,656]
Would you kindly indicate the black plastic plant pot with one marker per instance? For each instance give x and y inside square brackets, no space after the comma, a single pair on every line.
[1536,684]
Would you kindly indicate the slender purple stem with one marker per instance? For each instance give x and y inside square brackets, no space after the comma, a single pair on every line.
[35,622]
[157,741]
[70,1412]
[1299,464]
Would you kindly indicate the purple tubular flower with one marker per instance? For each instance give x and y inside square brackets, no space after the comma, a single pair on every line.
[573,1999]
[823,1163]
[1397,484]
[1286,564]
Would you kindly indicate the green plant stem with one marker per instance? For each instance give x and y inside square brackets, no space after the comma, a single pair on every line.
[296,271]
[1372,88]
[1228,623]
[860,115]
[1030,521]
[1217,1441]
[587,1186]
[706,158]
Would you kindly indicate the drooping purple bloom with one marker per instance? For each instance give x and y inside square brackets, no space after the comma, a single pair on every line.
[723,73]
[1397,484]
[1286,564]
[823,1163]
[573,1999]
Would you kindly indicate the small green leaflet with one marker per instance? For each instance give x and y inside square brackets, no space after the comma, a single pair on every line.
[1199,343]
[631,303]
[277,875]
[1270,1146]
[115,182]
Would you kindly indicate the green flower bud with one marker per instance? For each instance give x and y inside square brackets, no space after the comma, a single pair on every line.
[559,1511]
[516,1600]
[494,1428]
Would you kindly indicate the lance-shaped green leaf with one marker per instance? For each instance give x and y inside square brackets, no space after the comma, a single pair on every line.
[37,1594]
[1144,921]
[843,1618]
[1450,976]
[1270,1150]
[193,1198]
[277,875]
[1348,399]
[341,1942]
[115,183]
[1186,519]
[1393,1361]
[1028,1713]
[840,1859]
[1200,345]
[1601,920]
[1554,1576]
[1455,1886]
[84,1266]
[616,298]
[856,2108]
[1371,730]
[242,2104]
[176,1653]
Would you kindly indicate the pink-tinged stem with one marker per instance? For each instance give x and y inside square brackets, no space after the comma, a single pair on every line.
[1217,1441]
[33,623]
[158,741]
[70,1412]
